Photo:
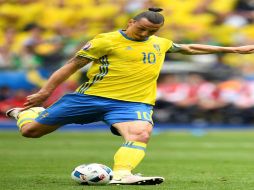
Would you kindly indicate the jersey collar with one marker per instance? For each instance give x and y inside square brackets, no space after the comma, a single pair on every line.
[128,38]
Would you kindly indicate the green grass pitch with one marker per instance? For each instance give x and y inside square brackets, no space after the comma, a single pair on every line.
[220,160]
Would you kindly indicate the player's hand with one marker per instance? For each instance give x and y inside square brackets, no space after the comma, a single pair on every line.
[245,49]
[35,100]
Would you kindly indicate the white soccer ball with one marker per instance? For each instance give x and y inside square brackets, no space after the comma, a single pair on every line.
[92,174]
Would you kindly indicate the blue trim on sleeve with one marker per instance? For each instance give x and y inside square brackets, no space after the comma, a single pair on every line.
[128,38]
[174,48]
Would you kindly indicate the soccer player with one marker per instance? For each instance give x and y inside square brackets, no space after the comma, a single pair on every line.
[121,90]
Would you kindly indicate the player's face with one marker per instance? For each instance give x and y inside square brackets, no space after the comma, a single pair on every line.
[140,30]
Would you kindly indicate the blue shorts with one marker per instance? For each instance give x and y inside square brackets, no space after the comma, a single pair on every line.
[81,109]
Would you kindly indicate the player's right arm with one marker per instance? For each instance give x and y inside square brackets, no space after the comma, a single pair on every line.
[55,80]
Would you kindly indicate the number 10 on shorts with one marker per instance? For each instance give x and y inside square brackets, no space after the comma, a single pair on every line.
[144,115]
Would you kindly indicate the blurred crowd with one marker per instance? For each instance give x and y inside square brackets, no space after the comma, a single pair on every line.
[38,36]
[195,98]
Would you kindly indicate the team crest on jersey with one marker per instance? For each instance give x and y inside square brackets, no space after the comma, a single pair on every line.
[87,46]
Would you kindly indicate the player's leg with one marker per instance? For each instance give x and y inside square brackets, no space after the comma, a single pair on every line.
[36,130]
[136,135]
[71,108]
[134,123]
[27,124]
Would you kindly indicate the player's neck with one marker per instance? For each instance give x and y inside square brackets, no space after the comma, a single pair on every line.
[128,34]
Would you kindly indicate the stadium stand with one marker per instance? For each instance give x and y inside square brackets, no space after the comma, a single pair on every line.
[38,36]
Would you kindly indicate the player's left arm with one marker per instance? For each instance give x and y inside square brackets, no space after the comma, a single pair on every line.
[209,49]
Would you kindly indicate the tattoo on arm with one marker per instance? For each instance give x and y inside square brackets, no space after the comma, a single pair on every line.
[79,61]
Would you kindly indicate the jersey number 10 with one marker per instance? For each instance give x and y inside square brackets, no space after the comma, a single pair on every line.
[144,115]
[149,57]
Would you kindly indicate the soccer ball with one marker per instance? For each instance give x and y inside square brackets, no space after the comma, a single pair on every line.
[92,174]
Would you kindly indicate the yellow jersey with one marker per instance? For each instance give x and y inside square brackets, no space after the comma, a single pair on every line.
[123,68]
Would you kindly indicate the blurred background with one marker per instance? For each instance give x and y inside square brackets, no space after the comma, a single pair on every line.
[39,36]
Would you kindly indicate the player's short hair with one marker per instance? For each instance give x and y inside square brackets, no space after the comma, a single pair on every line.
[152,15]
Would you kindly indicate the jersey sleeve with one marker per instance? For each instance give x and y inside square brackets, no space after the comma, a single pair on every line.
[167,44]
[95,48]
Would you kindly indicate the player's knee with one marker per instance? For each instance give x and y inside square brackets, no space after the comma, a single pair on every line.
[30,132]
[143,134]
[143,137]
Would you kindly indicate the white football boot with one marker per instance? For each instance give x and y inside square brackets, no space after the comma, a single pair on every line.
[14,112]
[137,180]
